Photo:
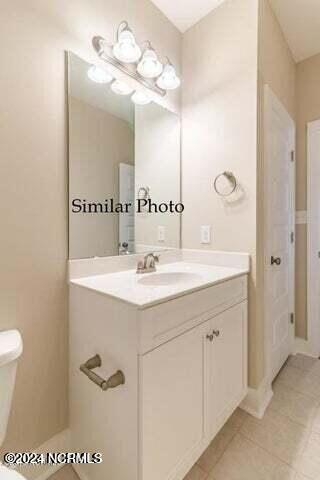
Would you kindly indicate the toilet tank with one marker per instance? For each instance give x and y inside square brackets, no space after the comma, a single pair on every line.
[10,351]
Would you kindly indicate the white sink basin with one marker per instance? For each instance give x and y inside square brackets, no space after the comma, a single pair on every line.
[169,281]
[168,278]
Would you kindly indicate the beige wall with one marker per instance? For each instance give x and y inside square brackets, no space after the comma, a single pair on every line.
[99,142]
[297,87]
[277,69]
[33,143]
[219,125]
[157,165]
[276,64]
[308,110]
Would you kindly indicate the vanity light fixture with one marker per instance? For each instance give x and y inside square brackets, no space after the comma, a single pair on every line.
[99,75]
[149,65]
[146,68]
[126,49]
[140,98]
[121,88]
[169,80]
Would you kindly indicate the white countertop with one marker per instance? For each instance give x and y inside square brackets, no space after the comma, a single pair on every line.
[126,286]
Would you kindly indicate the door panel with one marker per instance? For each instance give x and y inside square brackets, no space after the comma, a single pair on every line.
[227,363]
[173,390]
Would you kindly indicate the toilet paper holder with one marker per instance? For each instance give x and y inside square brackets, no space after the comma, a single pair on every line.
[112,382]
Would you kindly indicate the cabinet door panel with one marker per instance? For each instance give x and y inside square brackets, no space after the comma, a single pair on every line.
[228,364]
[172,384]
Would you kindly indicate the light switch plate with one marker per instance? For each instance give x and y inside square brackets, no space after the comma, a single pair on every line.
[161,234]
[206,234]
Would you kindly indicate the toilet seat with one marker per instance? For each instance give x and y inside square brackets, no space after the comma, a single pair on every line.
[10,474]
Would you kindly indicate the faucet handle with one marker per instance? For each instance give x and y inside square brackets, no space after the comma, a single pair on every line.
[156,258]
[140,266]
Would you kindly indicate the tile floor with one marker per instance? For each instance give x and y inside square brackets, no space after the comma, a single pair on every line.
[284,445]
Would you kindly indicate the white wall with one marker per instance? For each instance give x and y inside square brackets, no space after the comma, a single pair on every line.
[219,133]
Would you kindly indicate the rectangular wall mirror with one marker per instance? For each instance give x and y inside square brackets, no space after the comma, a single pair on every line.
[119,153]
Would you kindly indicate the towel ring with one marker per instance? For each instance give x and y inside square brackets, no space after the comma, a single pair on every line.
[233,182]
[144,193]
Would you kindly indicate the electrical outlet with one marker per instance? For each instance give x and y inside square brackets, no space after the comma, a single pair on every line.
[161,234]
[206,234]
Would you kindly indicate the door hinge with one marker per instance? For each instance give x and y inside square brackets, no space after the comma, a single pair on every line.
[293,155]
[292,318]
[292,237]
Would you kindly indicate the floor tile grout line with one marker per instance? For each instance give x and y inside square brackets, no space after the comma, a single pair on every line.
[314,397]
[300,424]
[307,429]
[289,362]
[292,389]
[237,430]
[312,374]
[269,453]
[308,432]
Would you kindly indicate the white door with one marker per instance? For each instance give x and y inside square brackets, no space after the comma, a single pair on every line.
[126,220]
[314,237]
[279,175]
[227,366]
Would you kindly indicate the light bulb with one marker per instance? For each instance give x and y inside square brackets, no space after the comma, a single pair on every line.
[140,98]
[149,66]
[99,75]
[169,79]
[121,88]
[126,49]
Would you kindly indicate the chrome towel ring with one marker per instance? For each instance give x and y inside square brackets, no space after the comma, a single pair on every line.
[233,183]
[144,193]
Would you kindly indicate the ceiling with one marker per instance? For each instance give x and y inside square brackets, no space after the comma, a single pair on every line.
[300,22]
[299,19]
[184,14]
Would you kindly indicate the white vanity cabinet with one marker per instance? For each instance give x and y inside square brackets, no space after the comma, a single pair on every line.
[185,363]
[189,387]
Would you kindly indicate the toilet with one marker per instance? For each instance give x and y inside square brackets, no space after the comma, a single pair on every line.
[10,351]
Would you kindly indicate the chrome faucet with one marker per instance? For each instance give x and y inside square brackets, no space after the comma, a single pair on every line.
[148,264]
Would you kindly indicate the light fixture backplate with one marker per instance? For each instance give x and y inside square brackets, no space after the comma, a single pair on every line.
[100,44]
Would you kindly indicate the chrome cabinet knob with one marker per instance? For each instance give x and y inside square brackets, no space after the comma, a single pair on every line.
[215,333]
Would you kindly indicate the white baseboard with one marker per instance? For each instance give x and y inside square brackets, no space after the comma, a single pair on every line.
[305,348]
[257,400]
[58,443]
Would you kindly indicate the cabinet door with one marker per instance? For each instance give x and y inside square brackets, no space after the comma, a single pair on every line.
[172,388]
[227,369]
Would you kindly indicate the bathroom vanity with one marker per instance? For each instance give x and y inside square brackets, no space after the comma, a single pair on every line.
[179,337]
[158,361]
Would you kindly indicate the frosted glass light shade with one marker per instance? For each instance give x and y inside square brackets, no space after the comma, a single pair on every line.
[126,49]
[121,88]
[140,98]
[99,75]
[169,79]
[149,66]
